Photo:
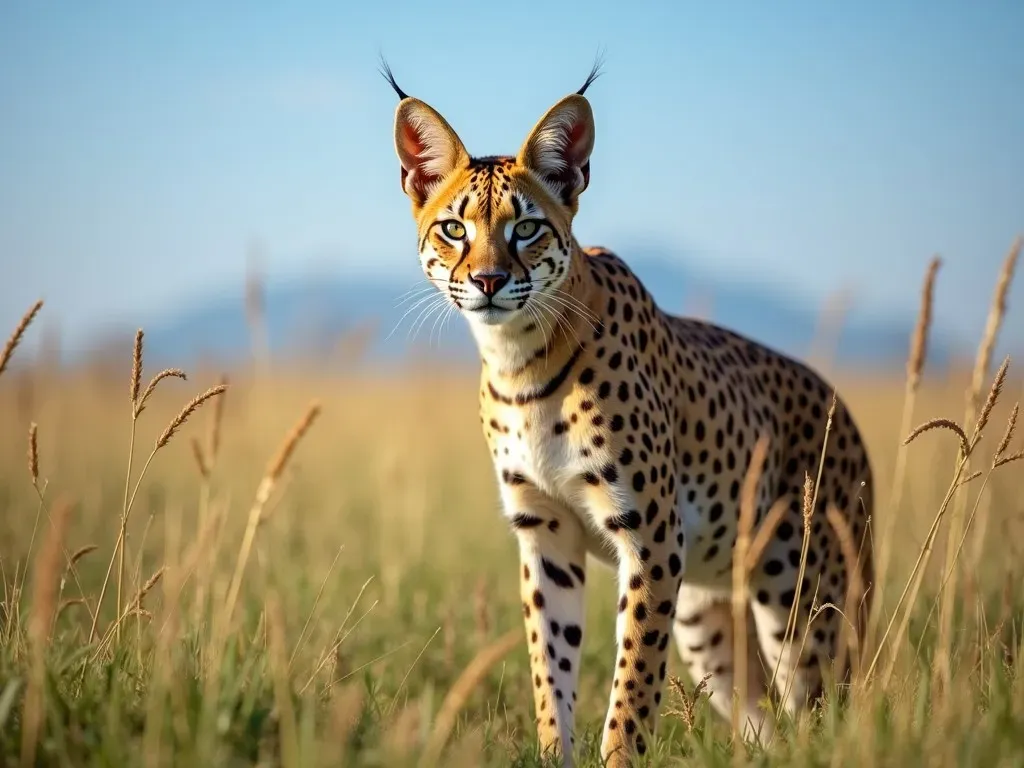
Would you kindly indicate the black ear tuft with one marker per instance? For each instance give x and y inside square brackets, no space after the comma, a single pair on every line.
[595,72]
[386,73]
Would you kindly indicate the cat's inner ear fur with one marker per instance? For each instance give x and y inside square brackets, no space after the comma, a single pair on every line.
[428,148]
[559,146]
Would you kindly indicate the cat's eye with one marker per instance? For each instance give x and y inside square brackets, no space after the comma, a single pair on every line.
[526,229]
[453,229]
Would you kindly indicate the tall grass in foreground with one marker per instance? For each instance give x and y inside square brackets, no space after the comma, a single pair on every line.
[342,592]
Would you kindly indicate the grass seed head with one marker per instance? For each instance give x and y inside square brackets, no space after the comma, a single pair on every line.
[19,331]
[146,588]
[996,314]
[1011,424]
[280,460]
[808,509]
[136,368]
[688,701]
[33,453]
[1009,459]
[187,411]
[993,395]
[81,552]
[919,339]
[164,374]
[947,424]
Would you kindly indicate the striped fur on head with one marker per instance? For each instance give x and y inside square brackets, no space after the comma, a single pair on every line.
[506,215]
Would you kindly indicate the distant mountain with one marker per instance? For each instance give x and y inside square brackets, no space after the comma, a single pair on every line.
[308,316]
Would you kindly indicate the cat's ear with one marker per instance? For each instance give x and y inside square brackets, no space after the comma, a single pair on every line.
[427,148]
[559,146]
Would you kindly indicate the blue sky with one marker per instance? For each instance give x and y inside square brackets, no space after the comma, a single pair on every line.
[811,145]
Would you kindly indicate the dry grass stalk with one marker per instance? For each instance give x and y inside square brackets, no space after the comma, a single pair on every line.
[993,324]
[919,339]
[129,494]
[764,534]
[687,708]
[206,460]
[216,422]
[341,636]
[947,424]
[167,373]
[161,441]
[346,710]
[282,682]
[312,612]
[998,460]
[284,453]
[460,691]
[133,392]
[201,464]
[33,453]
[46,574]
[401,685]
[146,588]
[71,569]
[849,637]
[19,331]
[810,501]
[400,736]
[140,612]
[990,400]
[451,635]
[913,585]
[983,360]
[82,552]
[481,611]
[740,576]
[66,605]
[956,522]
[916,360]
[266,487]
[132,608]
[188,410]
[973,476]
[33,468]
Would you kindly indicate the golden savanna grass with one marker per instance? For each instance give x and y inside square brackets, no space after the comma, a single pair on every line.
[298,568]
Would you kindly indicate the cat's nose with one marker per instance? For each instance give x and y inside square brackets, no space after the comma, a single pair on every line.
[490,283]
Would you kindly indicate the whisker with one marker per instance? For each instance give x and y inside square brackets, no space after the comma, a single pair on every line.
[439,321]
[574,301]
[563,322]
[436,306]
[419,286]
[448,313]
[536,316]
[413,294]
[419,301]
[584,313]
[547,327]
[569,308]
[425,309]
[570,327]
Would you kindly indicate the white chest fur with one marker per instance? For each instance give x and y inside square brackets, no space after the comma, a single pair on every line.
[548,447]
[534,441]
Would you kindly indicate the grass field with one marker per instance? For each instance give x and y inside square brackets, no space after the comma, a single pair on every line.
[372,614]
